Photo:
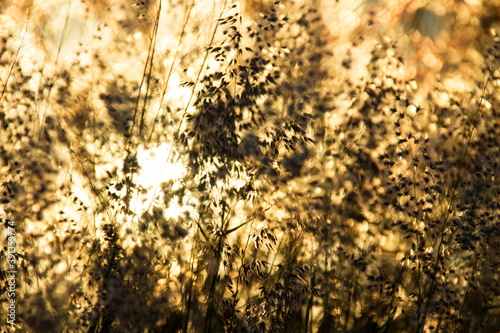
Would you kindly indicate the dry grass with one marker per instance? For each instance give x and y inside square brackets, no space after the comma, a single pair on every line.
[204,166]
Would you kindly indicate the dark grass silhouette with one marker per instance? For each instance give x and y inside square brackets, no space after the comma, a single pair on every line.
[321,198]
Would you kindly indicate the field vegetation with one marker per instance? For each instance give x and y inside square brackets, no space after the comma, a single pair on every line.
[250,166]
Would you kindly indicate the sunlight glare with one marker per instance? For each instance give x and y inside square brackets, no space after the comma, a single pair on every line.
[155,167]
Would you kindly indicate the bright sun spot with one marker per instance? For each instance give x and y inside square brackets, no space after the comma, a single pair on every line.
[159,165]
[155,167]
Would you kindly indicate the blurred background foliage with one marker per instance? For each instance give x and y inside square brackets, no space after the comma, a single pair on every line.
[251,166]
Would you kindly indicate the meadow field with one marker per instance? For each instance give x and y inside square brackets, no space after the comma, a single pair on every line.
[250,166]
